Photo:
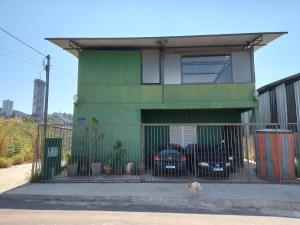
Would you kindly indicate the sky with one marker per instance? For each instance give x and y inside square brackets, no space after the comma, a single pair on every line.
[34,20]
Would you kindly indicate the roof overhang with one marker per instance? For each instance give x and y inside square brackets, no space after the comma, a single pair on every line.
[242,41]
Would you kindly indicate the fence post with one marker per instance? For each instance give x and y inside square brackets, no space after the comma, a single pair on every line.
[194,156]
[35,152]
[43,152]
[89,133]
[247,151]
[279,143]
[142,173]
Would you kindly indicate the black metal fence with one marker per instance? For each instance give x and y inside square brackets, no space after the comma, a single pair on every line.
[252,153]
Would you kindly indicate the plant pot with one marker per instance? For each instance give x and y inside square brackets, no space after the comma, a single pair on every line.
[129,168]
[107,169]
[96,168]
[72,169]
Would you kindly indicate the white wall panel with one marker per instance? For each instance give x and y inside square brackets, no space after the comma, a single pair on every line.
[150,67]
[241,67]
[172,69]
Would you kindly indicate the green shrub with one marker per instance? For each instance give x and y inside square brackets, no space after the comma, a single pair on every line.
[13,148]
[5,162]
[28,156]
[18,159]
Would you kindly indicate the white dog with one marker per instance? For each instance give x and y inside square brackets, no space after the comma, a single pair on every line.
[194,188]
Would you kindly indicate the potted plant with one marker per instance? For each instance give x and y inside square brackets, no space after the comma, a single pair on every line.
[118,155]
[96,165]
[96,168]
[72,167]
[129,168]
[108,167]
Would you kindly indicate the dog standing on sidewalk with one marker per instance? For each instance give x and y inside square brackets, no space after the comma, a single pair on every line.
[194,189]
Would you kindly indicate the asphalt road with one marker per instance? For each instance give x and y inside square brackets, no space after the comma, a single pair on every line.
[111,205]
[44,217]
[19,207]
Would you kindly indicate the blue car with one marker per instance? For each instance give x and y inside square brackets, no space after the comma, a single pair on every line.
[208,162]
[169,162]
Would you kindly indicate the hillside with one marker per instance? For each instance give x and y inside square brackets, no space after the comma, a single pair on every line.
[58,118]
[16,141]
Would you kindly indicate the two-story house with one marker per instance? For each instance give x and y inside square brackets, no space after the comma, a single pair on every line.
[127,82]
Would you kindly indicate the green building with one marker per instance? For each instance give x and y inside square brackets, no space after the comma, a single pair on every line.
[126,83]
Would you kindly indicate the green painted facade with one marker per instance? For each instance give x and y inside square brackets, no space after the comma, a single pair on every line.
[110,90]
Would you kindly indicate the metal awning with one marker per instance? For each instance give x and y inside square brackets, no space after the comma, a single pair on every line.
[242,40]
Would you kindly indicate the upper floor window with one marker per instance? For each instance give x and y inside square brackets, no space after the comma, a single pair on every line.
[206,69]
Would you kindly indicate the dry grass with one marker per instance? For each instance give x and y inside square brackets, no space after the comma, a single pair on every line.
[16,141]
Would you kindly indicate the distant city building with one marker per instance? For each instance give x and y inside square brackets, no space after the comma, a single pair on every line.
[38,99]
[7,109]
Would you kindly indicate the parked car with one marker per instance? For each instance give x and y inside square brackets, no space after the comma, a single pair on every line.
[171,146]
[169,159]
[191,151]
[206,161]
[231,154]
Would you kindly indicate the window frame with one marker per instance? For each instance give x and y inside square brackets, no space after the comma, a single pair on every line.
[191,56]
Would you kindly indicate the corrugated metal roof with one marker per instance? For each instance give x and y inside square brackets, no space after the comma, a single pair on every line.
[243,40]
[285,80]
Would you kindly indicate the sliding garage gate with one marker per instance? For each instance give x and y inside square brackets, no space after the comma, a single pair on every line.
[167,153]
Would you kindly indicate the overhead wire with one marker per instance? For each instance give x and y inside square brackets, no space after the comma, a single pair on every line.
[38,65]
[16,53]
[28,58]
[23,42]
[21,60]
[62,71]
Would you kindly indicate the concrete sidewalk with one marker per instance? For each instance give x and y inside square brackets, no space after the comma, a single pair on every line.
[268,198]
[14,176]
